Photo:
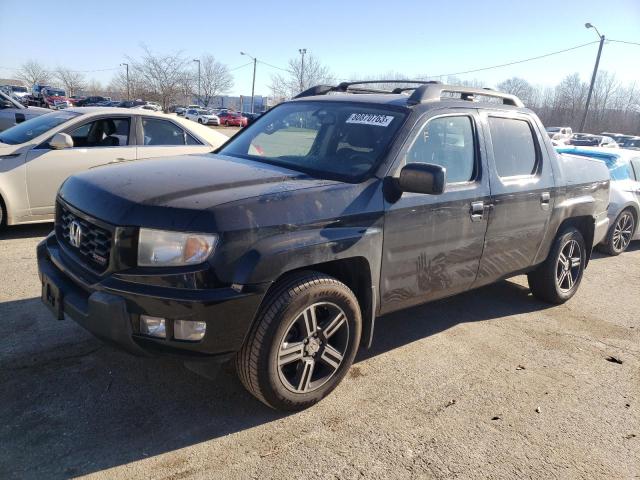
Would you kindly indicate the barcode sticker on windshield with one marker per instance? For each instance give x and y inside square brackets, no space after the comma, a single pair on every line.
[370,119]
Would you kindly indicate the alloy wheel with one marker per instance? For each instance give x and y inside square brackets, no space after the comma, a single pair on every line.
[568,268]
[622,232]
[313,347]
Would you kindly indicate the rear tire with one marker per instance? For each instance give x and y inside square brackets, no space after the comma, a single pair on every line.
[3,215]
[620,234]
[557,279]
[303,342]
[200,121]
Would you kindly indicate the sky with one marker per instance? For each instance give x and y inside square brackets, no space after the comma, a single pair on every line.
[354,39]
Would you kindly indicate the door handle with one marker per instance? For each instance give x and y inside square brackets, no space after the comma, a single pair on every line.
[545,200]
[477,211]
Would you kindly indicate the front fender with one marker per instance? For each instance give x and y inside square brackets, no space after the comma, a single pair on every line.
[275,255]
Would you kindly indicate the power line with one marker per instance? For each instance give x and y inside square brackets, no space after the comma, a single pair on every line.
[273,66]
[515,62]
[623,41]
[241,66]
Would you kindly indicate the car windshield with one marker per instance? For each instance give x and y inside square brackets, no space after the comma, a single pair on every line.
[631,142]
[326,139]
[35,127]
[553,129]
[204,112]
[19,89]
[55,93]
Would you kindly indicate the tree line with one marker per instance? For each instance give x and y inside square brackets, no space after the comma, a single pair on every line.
[173,78]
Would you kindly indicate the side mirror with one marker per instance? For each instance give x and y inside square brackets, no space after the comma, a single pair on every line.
[61,141]
[423,178]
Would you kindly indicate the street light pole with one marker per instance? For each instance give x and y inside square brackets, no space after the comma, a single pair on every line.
[593,77]
[197,60]
[128,94]
[302,52]
[253,83]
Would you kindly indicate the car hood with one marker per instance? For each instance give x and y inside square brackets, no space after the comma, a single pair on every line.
[182,191]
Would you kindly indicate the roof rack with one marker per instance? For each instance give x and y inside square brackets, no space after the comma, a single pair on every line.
[426,91]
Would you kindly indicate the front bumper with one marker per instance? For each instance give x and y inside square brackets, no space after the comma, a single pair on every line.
[110,308]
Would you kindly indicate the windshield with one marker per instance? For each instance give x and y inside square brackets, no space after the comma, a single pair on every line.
[204,112]
[19,89]
[553,129]
[631,142]
[326,139]
[26,131]
[55,93]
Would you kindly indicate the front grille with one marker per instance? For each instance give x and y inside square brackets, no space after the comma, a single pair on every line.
[94,248]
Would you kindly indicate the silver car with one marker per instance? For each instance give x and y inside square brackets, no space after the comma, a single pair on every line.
[13,112]
[624,197]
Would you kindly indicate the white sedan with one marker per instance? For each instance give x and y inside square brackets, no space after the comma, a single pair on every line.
[205,117]
[38,155]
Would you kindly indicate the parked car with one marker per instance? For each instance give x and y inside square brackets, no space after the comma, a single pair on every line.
[39,154]
[632,143]
[91,101]
[559,134]
[74,99]
[12,112]
[19,91]
[55,98]
[202,116]
[232,119]
[624,200]
[589,140]
[131,103]
[270,251]
[619,138]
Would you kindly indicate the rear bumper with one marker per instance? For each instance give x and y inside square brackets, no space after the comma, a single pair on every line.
[111,308]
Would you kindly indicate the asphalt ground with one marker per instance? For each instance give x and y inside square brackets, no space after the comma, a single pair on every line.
[489,384]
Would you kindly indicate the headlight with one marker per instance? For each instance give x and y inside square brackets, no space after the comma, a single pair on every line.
[161,248]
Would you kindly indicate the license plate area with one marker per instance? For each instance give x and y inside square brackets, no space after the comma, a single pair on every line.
[52,298]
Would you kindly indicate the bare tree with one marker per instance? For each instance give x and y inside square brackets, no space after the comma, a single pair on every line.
[215,79]
[73,82]
[299,77]
[520,88]
[33,72]
[162,74]
[94,87]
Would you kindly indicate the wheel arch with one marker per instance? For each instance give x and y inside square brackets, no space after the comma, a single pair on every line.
[585,224]
[355,272]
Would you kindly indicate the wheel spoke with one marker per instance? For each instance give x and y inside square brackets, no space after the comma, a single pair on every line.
[561,278]
[334,325]
[575,262]
[571,247]
[563,259]
[569,278]
[310,322]
[305,377]
[290,352]
[331,356]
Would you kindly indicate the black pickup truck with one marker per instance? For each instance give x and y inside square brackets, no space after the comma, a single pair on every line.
[280,249]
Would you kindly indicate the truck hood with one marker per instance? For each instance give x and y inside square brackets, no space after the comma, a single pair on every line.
[182,191]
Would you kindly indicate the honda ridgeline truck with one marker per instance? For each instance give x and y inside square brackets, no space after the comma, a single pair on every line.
[280,249]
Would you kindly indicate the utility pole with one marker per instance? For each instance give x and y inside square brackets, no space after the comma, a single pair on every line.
[197,60]
[253,84]
[302,53]
[593,77]
[128,94]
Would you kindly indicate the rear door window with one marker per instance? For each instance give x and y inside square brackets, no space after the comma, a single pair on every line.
[515,150]
[104,132]
[162,132]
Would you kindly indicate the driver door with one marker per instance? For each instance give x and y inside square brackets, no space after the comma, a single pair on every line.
[97,142]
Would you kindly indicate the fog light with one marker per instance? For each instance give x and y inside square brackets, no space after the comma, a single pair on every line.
[153,326]
[189,330]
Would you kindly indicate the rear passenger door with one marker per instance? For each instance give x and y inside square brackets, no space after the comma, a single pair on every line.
[523,195]
[433,243]
[163,138]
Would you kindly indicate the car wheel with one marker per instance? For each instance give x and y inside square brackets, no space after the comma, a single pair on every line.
[620,234]
[226,123]
[303,342]
[200,121]
[557,279]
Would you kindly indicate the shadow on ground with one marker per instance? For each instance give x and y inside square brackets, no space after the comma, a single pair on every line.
[26,231]
[70,405]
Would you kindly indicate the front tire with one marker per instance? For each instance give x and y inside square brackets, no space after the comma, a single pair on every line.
[620,234]
[303,343]
[200,121]
[557,279]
